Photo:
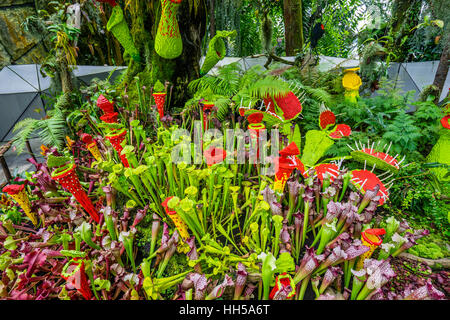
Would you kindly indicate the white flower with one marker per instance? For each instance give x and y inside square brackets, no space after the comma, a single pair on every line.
[387,246]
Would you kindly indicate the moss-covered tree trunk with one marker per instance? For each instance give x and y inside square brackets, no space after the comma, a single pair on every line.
[441,10]
[293,26]
[144,19]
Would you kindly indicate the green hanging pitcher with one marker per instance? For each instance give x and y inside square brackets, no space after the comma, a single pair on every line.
[216,51]
[168,42]
[119,28]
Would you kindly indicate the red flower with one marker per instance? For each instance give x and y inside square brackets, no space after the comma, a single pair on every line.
[105,104]
[214,155]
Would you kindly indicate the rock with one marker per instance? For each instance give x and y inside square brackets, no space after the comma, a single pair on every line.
[5,59]
[7,3]
[15,40]
[35,55]
[444,263]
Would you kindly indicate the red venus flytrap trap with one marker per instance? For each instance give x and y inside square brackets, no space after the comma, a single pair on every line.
[366,180]
[331,169]
[373,155]
[289,105]
[327,119]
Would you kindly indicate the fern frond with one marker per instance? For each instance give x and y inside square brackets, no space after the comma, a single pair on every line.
[268,86]
[24,130]
[53,130]
[223,108]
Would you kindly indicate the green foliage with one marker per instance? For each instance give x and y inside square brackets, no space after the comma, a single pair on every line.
[428,250]
[403,133]
[159,87]
[340,18]
[51,130]
[418,197]
[234,87]
[384,117]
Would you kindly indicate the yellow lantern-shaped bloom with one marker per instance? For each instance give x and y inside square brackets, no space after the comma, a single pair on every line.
[351,82]
[371,239]
[17,192]
[179,223]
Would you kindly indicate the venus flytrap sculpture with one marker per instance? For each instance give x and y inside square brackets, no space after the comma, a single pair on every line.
[287,162]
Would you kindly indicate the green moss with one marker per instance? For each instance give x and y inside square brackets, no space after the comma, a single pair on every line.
[431,252]
[430,248]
